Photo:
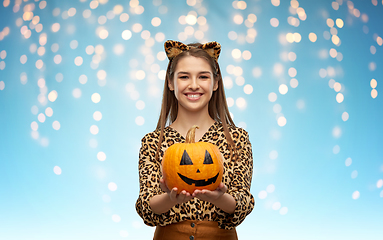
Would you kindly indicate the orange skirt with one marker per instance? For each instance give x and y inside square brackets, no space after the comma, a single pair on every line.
[194,230]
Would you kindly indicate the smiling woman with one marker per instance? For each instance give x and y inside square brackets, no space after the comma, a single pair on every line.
[185,186]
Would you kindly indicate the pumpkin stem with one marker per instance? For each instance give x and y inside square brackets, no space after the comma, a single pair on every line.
[190,135]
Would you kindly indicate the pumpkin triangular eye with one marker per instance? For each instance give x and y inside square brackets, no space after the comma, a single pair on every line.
[207,159]
[185,160]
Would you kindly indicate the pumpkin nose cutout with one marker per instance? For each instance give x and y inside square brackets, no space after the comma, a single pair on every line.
[198,171]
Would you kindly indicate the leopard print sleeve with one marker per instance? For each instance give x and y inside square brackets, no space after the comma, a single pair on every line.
[240,174]
[149,172]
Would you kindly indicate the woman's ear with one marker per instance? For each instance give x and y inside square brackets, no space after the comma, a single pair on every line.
[215,87]
[171,86]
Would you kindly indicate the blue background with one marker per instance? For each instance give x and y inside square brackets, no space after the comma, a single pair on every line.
[300,165]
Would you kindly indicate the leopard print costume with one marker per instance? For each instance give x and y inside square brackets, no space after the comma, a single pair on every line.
[237,177]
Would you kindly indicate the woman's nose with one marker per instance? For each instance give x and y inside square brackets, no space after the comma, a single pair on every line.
[194,84]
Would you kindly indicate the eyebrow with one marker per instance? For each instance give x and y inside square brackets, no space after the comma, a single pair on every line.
[204,72]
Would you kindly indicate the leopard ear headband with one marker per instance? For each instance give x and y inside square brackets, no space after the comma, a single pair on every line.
[173,48]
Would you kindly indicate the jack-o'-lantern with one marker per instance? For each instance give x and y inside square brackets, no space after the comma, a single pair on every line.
[192,165]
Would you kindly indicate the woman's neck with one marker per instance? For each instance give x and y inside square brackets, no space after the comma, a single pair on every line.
[185,120]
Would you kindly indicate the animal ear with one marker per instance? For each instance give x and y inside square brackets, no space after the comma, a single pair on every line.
[185,159]
[212,48]
[208,159]
[173,48]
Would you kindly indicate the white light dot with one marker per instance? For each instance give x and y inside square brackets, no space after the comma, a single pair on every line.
[336,132]
[374,93]
[230,101]
[78,61]
[240,81]
[94,129]
[232,35]
[379,183]
[246,55]
[272,97]
[275,2]
[103,33]
[140,74]
[116,218]
[2,85]
[262,194]
[101,156]
[276,206]
[270,188]
[73,44]
[34,126]
[273,155]
[23,59]
[89,50]
[140,120]
[137,27]
[355,195]
[283,211]
[191,19]
[277,108]
[348,162]
[294,83]
[140,104]
[112,186]
[56,125]
[83,79]
[322,73]
[274,22]
[76,93]
[97,115]
[161,56]
[282,121]
[126,35]
[236,53]
[373,83]
[96,97]
[57,59]
[57,170]
[283,89]
[34,109]
[292,72]
[59,77]
[241,103]
[339,97]
[41,117]
[101,74]
[354,174]
[336,149]
[248,89]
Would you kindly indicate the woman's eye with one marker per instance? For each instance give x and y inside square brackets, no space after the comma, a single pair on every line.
[183,77]
[204,77]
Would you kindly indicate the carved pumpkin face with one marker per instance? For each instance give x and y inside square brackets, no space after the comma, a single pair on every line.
[190,166]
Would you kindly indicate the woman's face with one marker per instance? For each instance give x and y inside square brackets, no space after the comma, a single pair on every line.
[193,84]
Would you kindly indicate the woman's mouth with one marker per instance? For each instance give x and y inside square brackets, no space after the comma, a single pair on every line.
[193,96]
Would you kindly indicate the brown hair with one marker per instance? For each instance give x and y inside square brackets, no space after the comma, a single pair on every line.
[218,109]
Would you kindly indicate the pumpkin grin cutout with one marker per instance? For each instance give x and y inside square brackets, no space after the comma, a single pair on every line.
[190,165]
[185,160]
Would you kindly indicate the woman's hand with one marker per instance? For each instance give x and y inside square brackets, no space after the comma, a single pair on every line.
[175,198]
[218,197]
[210,196]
